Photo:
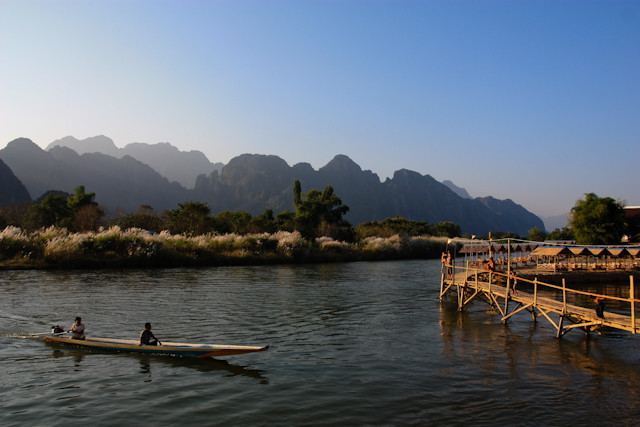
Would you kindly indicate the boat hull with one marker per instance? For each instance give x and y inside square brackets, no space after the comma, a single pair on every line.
[167,348]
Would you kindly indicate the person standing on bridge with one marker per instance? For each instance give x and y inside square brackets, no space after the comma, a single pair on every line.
[514,277]
[599,306]
[491,267]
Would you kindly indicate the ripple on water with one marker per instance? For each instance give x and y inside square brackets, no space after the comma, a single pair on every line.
[351,344]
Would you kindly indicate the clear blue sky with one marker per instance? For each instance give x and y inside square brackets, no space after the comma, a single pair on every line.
[536,101]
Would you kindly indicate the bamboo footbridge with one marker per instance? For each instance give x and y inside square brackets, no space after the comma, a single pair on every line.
[555,303]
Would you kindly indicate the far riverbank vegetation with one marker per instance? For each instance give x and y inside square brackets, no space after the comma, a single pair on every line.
[60,230]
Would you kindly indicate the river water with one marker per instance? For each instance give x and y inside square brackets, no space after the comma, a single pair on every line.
[351,344]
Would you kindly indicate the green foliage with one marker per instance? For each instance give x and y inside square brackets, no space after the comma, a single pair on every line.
[263,223]
[232,222]
[598,221]
[20,247]
[78,212]
[110,244]
[563,234]
[537,235]
[402,226]
[144,222]
[445,229]
[53,210]
[190,218]
[80,198]
[285,221]
[392,226]
[318,209]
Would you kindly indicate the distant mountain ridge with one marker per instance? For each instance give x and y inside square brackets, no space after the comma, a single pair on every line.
[124,183]
[250,180]
[11,189]
[180,166]
[255,182]
[458,190]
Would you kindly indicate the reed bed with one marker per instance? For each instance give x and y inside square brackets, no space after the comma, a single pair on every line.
[55,247]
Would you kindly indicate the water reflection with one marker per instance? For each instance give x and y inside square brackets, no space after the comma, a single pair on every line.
[147,362]
[77,355]
[525,353]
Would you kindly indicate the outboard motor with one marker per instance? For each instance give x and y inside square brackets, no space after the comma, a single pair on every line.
[57,329]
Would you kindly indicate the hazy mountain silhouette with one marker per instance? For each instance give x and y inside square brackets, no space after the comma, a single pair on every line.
[11,189]
[175,165]
[458,190]
[255,182]
[118,183]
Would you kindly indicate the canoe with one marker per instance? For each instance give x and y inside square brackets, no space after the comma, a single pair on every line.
[167,348]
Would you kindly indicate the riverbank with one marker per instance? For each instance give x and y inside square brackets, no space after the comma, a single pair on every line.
[134,248]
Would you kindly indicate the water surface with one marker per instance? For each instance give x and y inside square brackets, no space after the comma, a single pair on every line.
[351,344]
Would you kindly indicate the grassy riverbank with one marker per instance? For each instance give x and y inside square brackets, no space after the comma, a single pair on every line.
[116,248]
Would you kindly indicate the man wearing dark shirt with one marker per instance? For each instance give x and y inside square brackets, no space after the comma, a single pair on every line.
[146,335]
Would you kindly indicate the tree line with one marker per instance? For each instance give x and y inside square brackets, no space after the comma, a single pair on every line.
[317,213]
[594,220]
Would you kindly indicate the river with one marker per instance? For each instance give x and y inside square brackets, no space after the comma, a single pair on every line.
[363,343]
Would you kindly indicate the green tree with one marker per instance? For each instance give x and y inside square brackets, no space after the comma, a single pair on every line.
[144,218]
[263,223]
[190,218]
[563,234]
[318,208]
[537,235]
[285,221]
[598,220]
[85,212]
[446,229]
[232,222]
[53,209]
[80,199]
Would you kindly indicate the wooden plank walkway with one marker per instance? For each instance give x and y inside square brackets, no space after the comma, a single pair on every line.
[467,284]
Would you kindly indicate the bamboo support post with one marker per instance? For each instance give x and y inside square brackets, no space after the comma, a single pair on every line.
[559,335]
[506,301]
[632,296]
[564,297]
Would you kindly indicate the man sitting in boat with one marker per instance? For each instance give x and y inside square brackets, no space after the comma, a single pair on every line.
[146,335]
[77,329]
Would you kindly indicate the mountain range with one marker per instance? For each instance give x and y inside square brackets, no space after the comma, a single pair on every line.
[122,180]
[180,166]
[11,189]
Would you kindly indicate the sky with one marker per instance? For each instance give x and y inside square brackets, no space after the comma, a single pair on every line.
[533,101]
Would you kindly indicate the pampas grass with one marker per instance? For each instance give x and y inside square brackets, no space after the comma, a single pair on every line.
[134,247]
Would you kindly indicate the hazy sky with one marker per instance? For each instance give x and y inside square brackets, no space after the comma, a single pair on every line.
[536,101]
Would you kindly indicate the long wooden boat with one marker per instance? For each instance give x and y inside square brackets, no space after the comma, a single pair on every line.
[167,348]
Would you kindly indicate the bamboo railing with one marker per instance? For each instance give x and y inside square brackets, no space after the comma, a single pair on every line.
[543,300]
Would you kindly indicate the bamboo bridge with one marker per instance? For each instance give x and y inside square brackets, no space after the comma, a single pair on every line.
[565,308]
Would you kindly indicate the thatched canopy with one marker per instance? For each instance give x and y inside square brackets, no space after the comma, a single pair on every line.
[551,251]
[580,251]
[599,251]
[618,252]
[483,248]
[633,251]
[475,248]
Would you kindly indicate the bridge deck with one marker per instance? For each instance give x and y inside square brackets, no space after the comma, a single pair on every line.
[469,287]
